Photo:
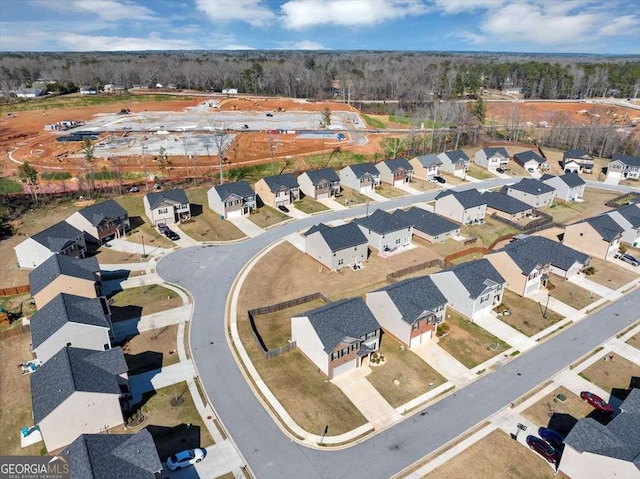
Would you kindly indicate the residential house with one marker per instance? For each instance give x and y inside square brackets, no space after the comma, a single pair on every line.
[594,451]
[465,207]
[88,90]
[337,337]
[530,160]
[113,88]
[473,288]
[167,207]
[384,231]
[455,162]
[61,238]
[105,456]
[577,161]
[79,391]
[492,158]
[569,187]
[336,247]
[69,320]
[628,217]
[531,191]
[622,167]
[319,184]
[505,206]
[102,221]
[363,177]
[232,200]
[395,172]
[279,190]
[29,92]
[428,225]
[63,274]
[426,167]
[598,236]
[409,310]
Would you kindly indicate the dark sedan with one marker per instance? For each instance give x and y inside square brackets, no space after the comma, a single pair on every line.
[172,235]
[552,437]
[283,208]
[543,448]
[596,401]
[439,179]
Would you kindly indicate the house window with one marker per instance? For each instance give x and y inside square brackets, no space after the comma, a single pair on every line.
[340,262]
[345,351]
[415,325]
[484,299]
[335,355]
[163,211]
[398,241]
[372,335]
[106,346]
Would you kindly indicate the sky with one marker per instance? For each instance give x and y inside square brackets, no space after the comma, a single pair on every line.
[537,26]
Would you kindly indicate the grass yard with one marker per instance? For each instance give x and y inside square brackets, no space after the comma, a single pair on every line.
[575,296]
[15,400]
[414,375]
[374,121]
[423,185]
[610,274]
[389,191]
[275,328]
[309,205]
[111,256]
[479,172]
[526,315]
[143,300]
[206,225]
[496,456]
[560,416]
[141,229]
[593,203]
[450,246]
[452,179]
[18,304]
[7,185]
[610,375]
[151,350]
[468,342]
[267,216]
[487,232]
[467,258]
[634,341]
[349,197]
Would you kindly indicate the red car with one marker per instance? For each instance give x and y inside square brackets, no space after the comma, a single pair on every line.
[596,401]
[543,448]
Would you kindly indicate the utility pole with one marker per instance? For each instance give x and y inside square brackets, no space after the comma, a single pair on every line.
[271,151]
[144,163]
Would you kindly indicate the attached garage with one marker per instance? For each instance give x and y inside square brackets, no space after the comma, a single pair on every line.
[323,196]
[234,214]
[422,338]
[366,189]
[344,368]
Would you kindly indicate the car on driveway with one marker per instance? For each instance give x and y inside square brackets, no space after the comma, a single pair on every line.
[543,448]
[134,189]
[552,437]
[499,170]
[438,179]
[627,258]
[172,235]
[596,401]
[185,458]
[283,208]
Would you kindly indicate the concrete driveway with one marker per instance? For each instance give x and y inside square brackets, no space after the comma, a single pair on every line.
[247,226]
[443,362]
[584,282]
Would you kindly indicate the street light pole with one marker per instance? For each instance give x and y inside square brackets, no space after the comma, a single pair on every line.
[144,163]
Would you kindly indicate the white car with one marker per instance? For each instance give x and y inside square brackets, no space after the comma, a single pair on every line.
[185,458]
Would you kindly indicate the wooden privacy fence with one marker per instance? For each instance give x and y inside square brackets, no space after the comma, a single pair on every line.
[449,259]
[391,277]
[15,290]
[543,222]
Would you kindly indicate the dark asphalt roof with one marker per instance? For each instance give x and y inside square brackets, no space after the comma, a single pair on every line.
[276,182]
[620,439]
[239,188]
[476,275]
[426,221]
[60,264]
[347,318]
[500,151]
[532,250]
[58,237]
[456,155]
[631,213]
[532,186]
[362,169]
[528,155]
[570,179]
[605,226]
[106,456]
[467,198]
[382,222]
[503,202]
[325,174]
[63,309]
[156,198]
[428,160]
[578,153]
[108,209]
[628,160]
[71,370]
[339,237]
[415,296]
[396,163]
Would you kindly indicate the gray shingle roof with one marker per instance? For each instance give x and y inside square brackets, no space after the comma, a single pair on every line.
[503,202]
[532,186]
[426,221]
[631,213]
[396,163]
[339,237]
[324,174]
[628,160]
[500,151]
[240,188]
[428,160]
[382,222]
[106,456]
[528,155]
[475,276]
[108,209]
[620,439]
[63,309]
[71,370]
[347,318]
[570,179]
[285,180]
[362,169]
[58,237]
[414,296]
[58,265]
[468,198]
[578,153]
[533,250]
[156,198]
[605,226]
[456,155]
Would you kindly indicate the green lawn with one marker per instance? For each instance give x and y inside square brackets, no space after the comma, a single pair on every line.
[479,172]
[309,205]
[7,185]
[526,315]
[373,122]
[593,202]
[267,216]
[488,232]
[141,229]
[142,300]
[206,225]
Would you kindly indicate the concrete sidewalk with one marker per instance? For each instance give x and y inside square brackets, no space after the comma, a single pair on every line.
[443,362]
[504,332]
[247,226]
[133,326]
[332,204]
[113,285]
[140,266]
[185,240]
[296,240]
[375,196]
[160,378]
[559,307]
[126,246]
[581,280]
[409,189]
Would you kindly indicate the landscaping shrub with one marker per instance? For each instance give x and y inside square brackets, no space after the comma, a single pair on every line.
[590,271]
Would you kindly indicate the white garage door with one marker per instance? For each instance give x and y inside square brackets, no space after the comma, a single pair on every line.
[234,214]
[531,288]
[366,189]
[423,338]
[323,196]
[346,367]
[398,183]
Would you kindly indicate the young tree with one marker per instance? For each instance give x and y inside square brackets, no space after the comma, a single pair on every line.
[326,117]
[479,110]
[87,151]
[222,142]
[28,173]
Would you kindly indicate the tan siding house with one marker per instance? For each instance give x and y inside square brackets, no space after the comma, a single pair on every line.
[598,236]
[279,190]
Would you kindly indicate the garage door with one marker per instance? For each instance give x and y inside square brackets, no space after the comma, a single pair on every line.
[346,367]
[531,288]
[366,189]
[423,338]
[398,183]
[234,214]
[323,196]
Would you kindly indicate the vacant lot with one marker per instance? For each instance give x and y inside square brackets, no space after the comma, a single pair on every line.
[275,328]
[141,229]
[575,296]
[611,374]
[404,376]
[205,225]
[389,191]
[497,456]
[309,205]
[635,341]
[468,342]
[423,185]
[488,232]
[266,216]
[610,274]
[349,197]
[593,202]
[151,350]
[526,315]
[560,416]
[143,300]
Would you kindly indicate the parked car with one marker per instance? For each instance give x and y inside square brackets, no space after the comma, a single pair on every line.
[543,448]
[552,437]
[531,169]
[269,114]
[627,258]
[172,235]
[244,127]
[439,179]
[283,208]
[185,458]
[499,170]
[134,189]
[596,401]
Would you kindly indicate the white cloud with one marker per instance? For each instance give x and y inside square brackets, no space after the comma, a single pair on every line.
[301,45]
[253,12]
[235,47]
[303,14]
[469,37]
[84,43]
[108,10]
[459,6]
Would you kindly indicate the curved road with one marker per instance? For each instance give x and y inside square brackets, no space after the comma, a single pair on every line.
[208,273]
